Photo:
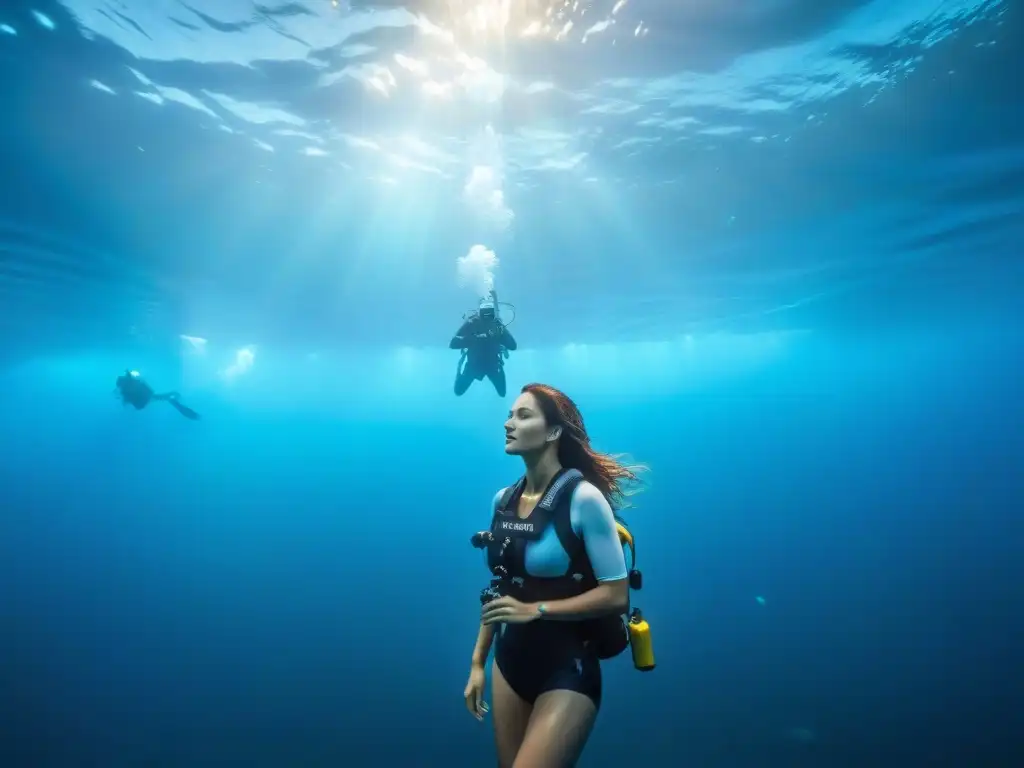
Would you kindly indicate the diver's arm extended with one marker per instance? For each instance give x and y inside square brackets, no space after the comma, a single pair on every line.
[460,339]
[604,550]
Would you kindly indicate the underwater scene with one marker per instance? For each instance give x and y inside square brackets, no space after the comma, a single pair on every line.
[518,383]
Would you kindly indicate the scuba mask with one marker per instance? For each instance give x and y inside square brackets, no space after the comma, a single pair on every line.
[488,308]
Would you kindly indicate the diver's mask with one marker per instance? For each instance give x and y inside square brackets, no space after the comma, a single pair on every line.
[488,309]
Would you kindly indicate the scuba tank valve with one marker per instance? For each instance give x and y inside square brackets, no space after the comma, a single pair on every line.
[640,641]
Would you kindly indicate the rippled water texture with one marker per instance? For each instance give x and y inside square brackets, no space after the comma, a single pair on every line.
[639,169]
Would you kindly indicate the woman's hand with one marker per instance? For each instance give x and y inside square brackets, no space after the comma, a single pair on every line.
[474,693]
[508,610]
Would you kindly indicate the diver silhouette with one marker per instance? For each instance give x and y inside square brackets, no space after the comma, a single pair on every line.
[136,392]
[485,342]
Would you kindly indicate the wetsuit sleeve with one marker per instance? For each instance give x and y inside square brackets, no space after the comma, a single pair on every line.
[459,340]
[507,340]
[594,522]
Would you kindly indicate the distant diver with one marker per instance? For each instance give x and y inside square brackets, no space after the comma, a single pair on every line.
[133,390]
[485,343]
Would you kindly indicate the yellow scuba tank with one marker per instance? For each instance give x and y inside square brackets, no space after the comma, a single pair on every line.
[639,629]
[640,641]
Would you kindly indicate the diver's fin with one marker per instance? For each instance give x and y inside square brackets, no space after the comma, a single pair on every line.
[184,410]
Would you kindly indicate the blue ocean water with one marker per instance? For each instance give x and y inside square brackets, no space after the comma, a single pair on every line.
[771,249]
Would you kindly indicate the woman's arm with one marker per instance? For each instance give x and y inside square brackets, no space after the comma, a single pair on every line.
[483,645]
[600,537]
[607,598]
[485,636]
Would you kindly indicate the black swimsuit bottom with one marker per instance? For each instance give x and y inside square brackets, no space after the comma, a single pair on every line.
[547,656]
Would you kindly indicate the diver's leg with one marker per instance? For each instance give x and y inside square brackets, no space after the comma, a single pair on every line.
[497,377]
[511,715]
[184,410]
[463,378]
[165,396]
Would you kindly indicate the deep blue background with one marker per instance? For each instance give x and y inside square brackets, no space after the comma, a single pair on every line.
[813,341]
[255,589]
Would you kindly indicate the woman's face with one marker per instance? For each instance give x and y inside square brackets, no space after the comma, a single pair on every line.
[526,430]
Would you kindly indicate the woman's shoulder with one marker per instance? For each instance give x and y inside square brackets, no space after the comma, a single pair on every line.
[497,499]
[588,494]
[590,510]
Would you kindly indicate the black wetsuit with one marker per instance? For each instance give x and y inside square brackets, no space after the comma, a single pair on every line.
[482,357]
[574,551]
[136,392]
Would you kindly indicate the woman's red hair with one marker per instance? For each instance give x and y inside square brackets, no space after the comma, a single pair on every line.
[603,471]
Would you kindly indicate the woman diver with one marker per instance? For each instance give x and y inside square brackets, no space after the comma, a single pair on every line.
[560,572]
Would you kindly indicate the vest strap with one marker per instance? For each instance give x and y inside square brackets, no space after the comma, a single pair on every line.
[568,480]
[554,508]
[554,493]
[510,493]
